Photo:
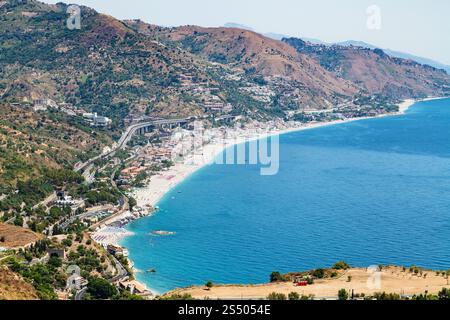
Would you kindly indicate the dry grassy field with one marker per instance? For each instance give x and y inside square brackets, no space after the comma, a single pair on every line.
[14,237]
[392,280]
[13,287]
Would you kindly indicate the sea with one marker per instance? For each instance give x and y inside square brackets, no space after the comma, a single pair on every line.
[370,192]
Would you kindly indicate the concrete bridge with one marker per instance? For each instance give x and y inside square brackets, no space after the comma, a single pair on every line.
[142,128]
[139,128]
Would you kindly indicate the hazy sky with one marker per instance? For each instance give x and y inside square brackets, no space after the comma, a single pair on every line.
[420,27]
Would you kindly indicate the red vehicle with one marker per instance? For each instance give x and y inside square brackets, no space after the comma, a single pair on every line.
[302,284]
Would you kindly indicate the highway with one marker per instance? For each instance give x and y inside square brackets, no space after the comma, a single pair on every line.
[122,272]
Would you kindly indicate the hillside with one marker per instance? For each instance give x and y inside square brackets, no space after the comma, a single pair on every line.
[258,55]
[377,72]
[32,142]
[37,153]
[126,70]
[14,237]
[105,66]
[396,54]
[13,287]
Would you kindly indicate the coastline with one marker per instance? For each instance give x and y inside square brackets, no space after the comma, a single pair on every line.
[160,185]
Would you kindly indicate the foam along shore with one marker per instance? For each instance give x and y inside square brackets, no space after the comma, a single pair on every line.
[160,184]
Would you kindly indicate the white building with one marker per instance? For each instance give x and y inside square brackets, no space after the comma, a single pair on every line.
[77,282]
[96,120]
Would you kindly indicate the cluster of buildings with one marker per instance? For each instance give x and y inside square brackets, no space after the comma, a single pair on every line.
[97,121]
[45,104]
[207,94]
[64,200]
[259,93]
[147,157]
[217,107]
[129,216]
[117,251]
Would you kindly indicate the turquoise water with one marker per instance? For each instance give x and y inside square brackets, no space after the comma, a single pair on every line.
[369,192]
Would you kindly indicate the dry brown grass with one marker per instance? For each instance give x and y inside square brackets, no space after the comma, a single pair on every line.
[393,280]
[16,237]
[13,287]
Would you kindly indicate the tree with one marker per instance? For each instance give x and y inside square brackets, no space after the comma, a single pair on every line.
[341,265]
[343,294]
[18,221]
[276,296]
[132,202]
[319,273]
[209,284]
[276,277]
[100,288]
[294,296]
[444,294]
[55,262]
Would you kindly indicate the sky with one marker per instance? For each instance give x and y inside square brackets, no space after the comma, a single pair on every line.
[420,27]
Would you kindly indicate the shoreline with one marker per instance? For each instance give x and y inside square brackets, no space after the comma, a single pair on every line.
[160,185]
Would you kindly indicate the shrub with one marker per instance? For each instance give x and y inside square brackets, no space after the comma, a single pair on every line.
[276,296]
[319,273]
[444,294]
[343,294]
[386,296]
[294,296]
[276,277]
[341,265]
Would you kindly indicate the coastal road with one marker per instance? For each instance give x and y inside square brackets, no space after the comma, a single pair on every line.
[46,201]
[126,137]
[122,272]
[125,207]
[80,294]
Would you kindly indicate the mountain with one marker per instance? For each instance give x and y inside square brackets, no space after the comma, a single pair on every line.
[105,67]
[398,54]
[259,56]
[376,71]
[355,43]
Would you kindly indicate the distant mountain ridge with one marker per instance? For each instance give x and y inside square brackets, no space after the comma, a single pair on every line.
[376,71]
[398,54]
[393,53]
[367,70]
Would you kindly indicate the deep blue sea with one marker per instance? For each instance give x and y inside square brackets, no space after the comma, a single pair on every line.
[369,192]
